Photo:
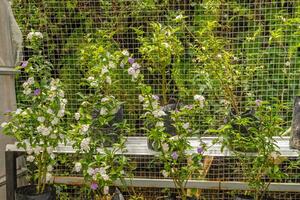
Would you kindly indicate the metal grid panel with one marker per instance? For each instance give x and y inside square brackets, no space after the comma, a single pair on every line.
[262,36]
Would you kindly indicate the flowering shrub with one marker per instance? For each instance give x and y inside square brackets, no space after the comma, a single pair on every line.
[178,164]
[97,121]
[255,133]
[38,126]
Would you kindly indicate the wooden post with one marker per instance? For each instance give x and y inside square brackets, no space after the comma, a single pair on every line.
[10,51]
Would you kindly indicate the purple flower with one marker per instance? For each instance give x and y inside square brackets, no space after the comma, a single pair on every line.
[131,60]
[258,102]
[155,97]
[200,150]
[37,92]
[94,186]
[174,155]
[24,64]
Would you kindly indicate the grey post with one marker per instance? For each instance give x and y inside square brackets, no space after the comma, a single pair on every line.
[10,51]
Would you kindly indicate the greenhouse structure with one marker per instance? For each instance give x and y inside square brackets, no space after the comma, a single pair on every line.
[150,99]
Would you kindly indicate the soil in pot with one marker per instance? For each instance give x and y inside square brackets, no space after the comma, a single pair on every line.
[244,144]
[169,128]
[29,192]
[110,134]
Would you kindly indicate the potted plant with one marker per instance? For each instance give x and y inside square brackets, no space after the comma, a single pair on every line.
[260,168]
[37,124]
[101,159]
[161,51]
[172,148]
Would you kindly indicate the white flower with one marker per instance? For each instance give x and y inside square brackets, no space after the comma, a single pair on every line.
[103,111]
[29,149]
[91,78]
[31,35]
[159,124]
[85,128]
[108,80]
[44,130]
[288,63]
[111,65]
[131,71]
[61,113]
[37,150]
[48,177]
[105,177]
[104,70]
[49,168]
[77,167]
[27,91]
[4,124]
[200,99]
[179,17]
[30,158]
[94,84]
[30,81]
[52,156]
[50,111]
[105,99]
[90,171]
[158,113]
[125,52]
[53,88]
[55,121]
[174,138]
[50,150]
[41,119]
[165,173]
[136,66]
[61,94]
[186,125]
[85,144]
[77,116]
[141,98]
[165,147]
[105,190]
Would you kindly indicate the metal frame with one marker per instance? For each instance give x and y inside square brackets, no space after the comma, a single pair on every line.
[138,146]
[6,70]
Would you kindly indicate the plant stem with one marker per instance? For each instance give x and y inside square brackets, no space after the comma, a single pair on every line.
[164,85]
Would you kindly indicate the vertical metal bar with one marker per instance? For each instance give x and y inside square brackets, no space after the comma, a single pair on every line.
[11,174]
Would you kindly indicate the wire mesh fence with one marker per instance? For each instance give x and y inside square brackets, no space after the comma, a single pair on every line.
[259,40]
[247,46]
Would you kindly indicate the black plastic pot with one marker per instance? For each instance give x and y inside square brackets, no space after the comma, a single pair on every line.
[169,128]
[29,192]
[110,134]
[295,137]
[245,131]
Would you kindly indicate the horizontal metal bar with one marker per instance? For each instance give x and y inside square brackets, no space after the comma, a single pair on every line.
[138,146]
[8,71]
[20,172]
[197,184]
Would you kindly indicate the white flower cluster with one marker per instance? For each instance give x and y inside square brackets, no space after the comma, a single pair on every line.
[32,35]
[27,86]
[85,144]
[199,99]
[98,172]
[134,71]
[45,131]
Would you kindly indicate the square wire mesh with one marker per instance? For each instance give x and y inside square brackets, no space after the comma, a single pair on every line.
[263,36]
